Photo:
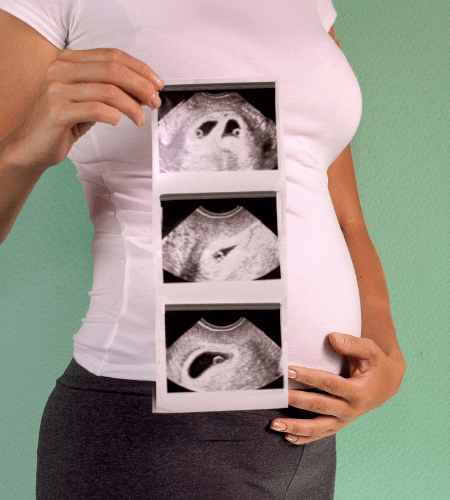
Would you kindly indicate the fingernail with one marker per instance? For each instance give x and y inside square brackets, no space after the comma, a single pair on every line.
[143,121]
[279,426]
[292,439]
[158,81]
[339,339]
[291,374]
[156,101]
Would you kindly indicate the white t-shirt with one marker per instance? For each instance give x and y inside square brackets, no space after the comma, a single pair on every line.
[209,39]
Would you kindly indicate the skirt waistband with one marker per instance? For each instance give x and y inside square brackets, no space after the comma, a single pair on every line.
[77,377]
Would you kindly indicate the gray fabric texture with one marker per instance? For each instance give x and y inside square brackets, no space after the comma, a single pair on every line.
[100,440]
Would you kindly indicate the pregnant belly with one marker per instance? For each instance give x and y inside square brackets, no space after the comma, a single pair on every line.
[323,294]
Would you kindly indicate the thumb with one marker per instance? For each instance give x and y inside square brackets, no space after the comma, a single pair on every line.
[348,345]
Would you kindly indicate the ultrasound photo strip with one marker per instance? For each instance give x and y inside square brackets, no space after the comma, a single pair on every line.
[219,238]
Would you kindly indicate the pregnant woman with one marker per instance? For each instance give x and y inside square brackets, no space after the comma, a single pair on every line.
[69,71]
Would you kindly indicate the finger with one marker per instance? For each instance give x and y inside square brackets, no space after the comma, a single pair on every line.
[85,112]
[299,440]
[322,380]
[117,55]
[102,92]
[349,345]
[308,427]
[320,403]
[137,86]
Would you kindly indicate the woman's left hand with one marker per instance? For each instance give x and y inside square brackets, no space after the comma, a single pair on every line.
[374,378]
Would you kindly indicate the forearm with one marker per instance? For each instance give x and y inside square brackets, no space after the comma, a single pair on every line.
[377,322]
[16,184]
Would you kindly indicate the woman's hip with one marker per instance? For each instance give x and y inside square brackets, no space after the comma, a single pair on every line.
[99,439]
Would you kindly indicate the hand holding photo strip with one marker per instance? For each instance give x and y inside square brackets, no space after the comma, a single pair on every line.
[219,238]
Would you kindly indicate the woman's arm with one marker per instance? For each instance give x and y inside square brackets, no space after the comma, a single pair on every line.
[50,97]
[375,364]
[377,323]
[24,57]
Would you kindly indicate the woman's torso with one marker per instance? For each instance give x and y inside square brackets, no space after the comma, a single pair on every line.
[321,106]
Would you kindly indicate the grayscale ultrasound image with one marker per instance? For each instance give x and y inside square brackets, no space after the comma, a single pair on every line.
[223,357]
[216,131]
[221,240]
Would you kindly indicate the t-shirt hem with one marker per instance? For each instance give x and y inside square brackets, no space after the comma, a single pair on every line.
[122,371]
[37,20]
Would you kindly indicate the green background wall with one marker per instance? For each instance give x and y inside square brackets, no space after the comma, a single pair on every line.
[399,52]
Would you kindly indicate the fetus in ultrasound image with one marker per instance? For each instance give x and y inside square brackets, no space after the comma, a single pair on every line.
[215,132]
[210,357]
[232,245]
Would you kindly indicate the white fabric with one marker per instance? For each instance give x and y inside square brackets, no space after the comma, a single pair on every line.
[321,104]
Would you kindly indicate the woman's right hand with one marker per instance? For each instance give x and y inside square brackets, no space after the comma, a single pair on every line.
[81,87]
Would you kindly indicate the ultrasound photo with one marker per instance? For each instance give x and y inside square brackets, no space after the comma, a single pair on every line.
[222,353]
[217,130]
[232,239]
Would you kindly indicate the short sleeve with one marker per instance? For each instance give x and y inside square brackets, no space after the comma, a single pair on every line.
[327,13]
[51,18]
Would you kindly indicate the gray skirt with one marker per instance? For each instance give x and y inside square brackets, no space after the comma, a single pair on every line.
[100,440]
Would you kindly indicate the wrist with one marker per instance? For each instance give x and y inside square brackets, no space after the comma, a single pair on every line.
[12,157]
